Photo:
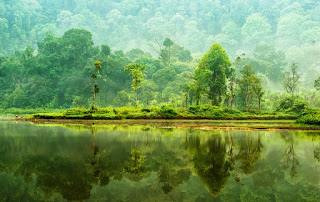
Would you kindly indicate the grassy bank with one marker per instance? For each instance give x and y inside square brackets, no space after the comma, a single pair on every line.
[11,112]
[164,112]
[191,124]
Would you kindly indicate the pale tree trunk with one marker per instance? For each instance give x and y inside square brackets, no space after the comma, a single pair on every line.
[94,91]
[148,97]
[187,95]
[136,97]
[247,101]
[259,102]
[231,101]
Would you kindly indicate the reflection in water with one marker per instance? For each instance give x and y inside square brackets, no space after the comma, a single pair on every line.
[40,163]
[211,164]
[73,179]
[291,160]
[249,152]
[317,154]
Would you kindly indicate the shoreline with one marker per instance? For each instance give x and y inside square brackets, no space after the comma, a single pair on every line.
[260,125]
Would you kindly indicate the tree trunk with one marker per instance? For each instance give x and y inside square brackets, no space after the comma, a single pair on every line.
[186,143]
[148,97]
[247,101]
[259,102]
[136,97]
[231,101]
[187,95]
[94,91]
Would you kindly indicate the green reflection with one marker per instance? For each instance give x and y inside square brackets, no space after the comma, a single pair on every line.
[211,164]
[142,163]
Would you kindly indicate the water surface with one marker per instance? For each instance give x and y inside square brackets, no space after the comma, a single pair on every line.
[143,163]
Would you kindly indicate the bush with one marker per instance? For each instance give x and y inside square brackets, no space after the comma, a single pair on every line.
[310,119]
[145,110]
[284,104]
[167,111]
[299,106]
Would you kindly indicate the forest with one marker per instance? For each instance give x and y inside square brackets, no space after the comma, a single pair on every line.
[148,100]
[240,55]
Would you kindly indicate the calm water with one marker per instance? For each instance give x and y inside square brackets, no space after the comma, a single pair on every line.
[139,163]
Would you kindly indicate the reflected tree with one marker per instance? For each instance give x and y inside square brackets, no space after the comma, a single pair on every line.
[249,154]
[171,178]
[134,165]
[291,160]
[232,158]
[317,154]
[211,164]
[72,178]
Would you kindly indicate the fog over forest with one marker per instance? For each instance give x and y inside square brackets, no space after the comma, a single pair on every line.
[238,25]
[39,69]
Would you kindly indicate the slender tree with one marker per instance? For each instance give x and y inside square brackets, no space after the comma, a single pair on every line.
[166,53]
[247,83]
[258,90]
[317,84]
[136,71]
[232,87]
[291,81]
[95,89]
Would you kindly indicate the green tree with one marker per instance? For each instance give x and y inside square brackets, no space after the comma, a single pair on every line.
[291,81]
[232,87]
[267,60]
[105,50]
[213,71]
[96,89]
[166,53]
[256,29]
[247,84]
[317,84]
[258,90]
[136,71]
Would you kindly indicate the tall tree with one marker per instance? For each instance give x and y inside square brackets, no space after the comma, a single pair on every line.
[247,83]
[136,71]
[258,90]
[232,87]
[96,89]
[317,84]
[166,53]
[291,81]
[213,71]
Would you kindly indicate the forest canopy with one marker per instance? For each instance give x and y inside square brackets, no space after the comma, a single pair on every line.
[48,51]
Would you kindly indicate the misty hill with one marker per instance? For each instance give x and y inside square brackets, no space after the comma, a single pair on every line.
[238,25]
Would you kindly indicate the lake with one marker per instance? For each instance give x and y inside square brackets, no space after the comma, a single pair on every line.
[146,163]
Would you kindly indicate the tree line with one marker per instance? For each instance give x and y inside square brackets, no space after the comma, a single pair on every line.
[56,76]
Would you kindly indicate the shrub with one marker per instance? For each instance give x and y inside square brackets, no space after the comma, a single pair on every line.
[310,119]
[285,104]
[145,110]
[299,106]
[167,111]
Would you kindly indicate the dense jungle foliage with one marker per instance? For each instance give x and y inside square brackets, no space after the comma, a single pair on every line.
[246,55]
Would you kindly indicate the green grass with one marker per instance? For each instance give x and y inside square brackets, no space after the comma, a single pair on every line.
[164,112]
[23,112]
